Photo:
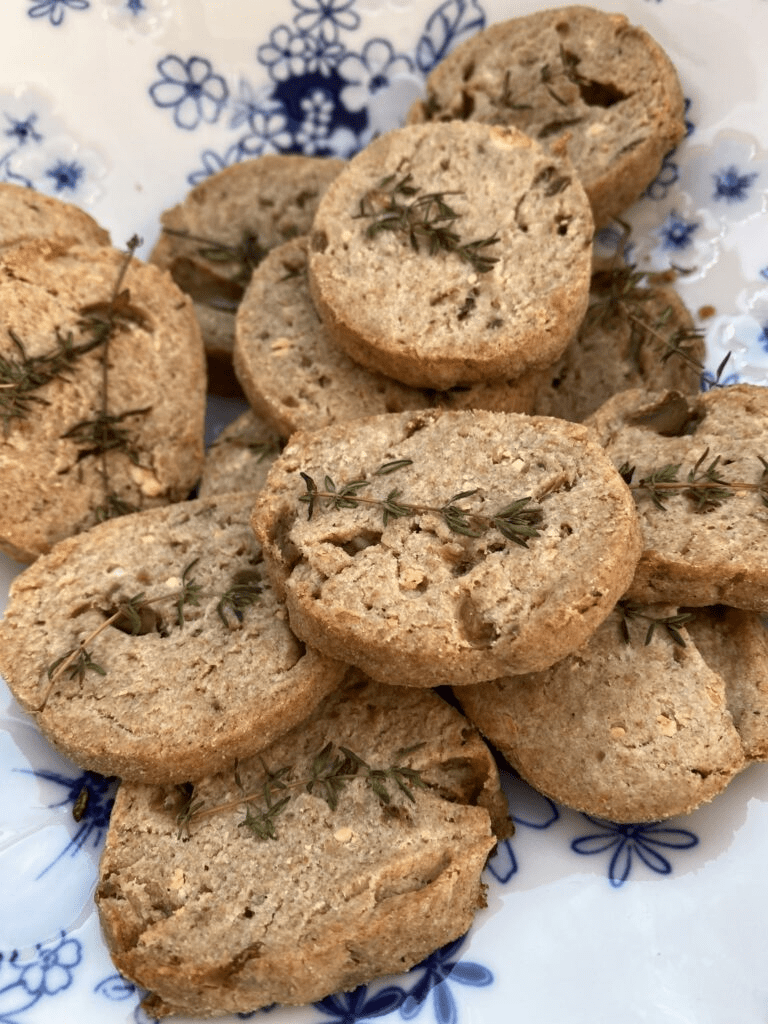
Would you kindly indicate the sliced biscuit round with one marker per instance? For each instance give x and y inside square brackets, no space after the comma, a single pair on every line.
[622,729]
[637,333]
[358,881]
[399,542]
[153,647]
[578,80]
[449,254]
[697,469]
[296,378]
[26,214]
[91,428]
[220,232]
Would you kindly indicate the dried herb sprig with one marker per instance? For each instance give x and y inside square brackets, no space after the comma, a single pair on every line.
[704,485]
[518,521]
[330,771]
[134,615]
[246,255]
[670,624]
[425,219]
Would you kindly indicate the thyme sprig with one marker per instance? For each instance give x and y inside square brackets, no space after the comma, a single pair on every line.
[517,522]
[246,255]
[425,219]
[704,485]
[135,616]
[670,624]
[330,771]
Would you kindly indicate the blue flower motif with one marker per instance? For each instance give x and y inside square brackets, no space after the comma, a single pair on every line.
[287,54]
[445,26]
[370,72]
[669,174]
[66,175]
[325,17]
[55,10]
[351,1007]
[764,272]
[191,88]
[135,6]
[269,129]
[23,131]
[731,186]
[213,162]
[503,864]
[676,233]
[50,972]
[626,841]
[94,819]
[438,969]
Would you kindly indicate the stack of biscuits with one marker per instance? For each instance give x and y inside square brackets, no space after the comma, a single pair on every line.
[477,473]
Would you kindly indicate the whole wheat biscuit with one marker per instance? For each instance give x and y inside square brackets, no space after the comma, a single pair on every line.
[75,448]
[26,214]
[297,379]
[734,643]
[240,457]
[621,729]
[222,922]
[198,668]
[631,327]
[449,254]
[411,562]
[218,234]
[578,80]
[704,542]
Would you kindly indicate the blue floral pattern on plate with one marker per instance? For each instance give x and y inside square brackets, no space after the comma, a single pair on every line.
[323,77]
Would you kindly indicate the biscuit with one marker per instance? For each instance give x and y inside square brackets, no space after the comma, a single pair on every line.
[221,922]
[449,254]
[75,449]
[240,457]
[704,544]
[579,81]
[198,669]
[416,582]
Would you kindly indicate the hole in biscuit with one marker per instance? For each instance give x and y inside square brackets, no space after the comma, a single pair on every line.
[364,539]
[477,631]
[467,105]
[289,401]
[468,71]
[319,241]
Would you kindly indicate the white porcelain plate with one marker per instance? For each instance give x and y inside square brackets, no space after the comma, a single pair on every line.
[121,105]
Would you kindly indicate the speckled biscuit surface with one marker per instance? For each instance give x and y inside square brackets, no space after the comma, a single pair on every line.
[248,208]
[718,555]
[222,922]
[418,312]
[576,79]
[240,457]
[626,731]
[298,379]
[26,214]
[622,344]
[52,480]
[200,685]
[411,601]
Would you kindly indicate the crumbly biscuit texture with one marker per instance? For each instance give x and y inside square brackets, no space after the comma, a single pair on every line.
[222,922]
[576,79]
[240,457]
[414,602]
[622,729]
[694,554]
[242,211]
[149,437]
[623,343]
[26,214]
[194,679]
[296,377]
[411,303]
